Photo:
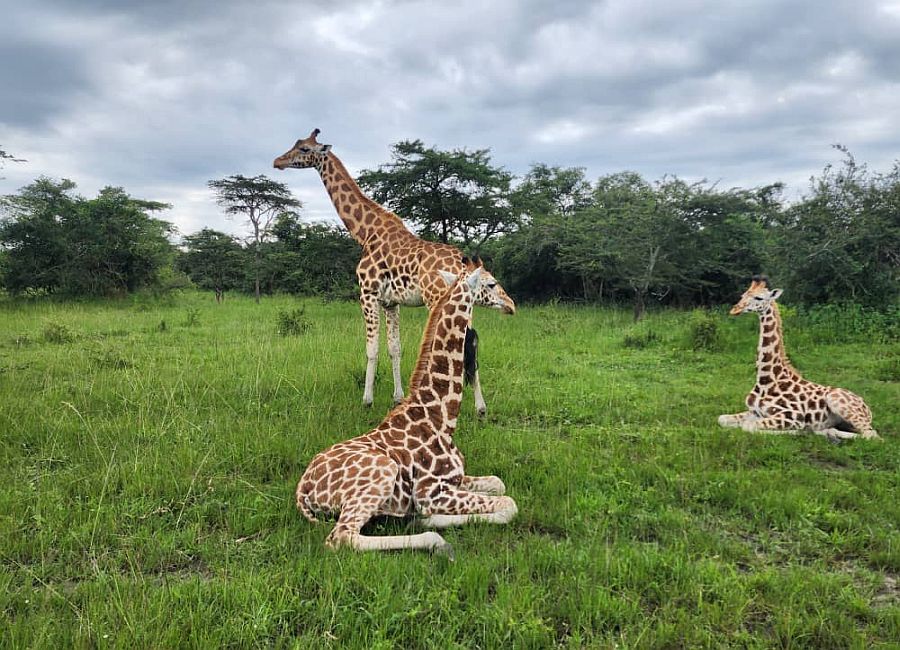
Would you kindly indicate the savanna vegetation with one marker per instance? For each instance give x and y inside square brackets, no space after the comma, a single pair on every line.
[151,447]
[552,234]
[151,437]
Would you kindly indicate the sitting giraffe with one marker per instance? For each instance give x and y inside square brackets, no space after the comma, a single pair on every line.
[397,268]
[408,465]
[782,401]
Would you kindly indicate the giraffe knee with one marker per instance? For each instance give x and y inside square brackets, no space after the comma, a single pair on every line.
[338,537]
[506,511]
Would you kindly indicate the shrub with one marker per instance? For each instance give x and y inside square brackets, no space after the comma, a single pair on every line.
[191,318]
[846,322]
[703,331]
[639,340]
[57,333]
[293,322]
[889,369]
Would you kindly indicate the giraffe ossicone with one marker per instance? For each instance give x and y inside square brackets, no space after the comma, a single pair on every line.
[397,267]
[409,465]
[782,401]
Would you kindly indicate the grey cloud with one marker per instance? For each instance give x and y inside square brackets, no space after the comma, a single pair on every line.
[167,95]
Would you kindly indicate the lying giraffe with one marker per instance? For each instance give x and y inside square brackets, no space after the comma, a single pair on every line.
[782,401]
[397,268]
[409,465]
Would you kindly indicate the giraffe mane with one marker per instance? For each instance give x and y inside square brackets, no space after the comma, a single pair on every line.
[427,345]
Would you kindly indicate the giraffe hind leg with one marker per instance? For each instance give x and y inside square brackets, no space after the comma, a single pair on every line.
[392,319]
[359,508]
[851,412]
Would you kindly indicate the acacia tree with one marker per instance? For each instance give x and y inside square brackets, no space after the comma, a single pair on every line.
[213,260]
[260,200]
[449,194]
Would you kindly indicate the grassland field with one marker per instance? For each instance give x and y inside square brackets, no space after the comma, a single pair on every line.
[149,451]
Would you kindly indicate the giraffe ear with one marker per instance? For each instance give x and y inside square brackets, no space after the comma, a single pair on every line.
[473,278]
[449,278]
[775,294]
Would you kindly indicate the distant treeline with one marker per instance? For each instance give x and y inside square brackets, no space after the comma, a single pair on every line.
[552,234]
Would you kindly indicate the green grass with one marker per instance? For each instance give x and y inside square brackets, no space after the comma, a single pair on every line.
[149,453]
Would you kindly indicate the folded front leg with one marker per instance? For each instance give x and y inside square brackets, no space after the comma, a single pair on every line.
[772,424]
[452,506]
[483,485]
[734,420]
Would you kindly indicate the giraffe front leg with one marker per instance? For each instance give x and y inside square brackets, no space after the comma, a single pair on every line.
[369,305]
[470,360]
[392,318]
[735,420]
[453,506]
[483,485]
[480,406]
[774,424]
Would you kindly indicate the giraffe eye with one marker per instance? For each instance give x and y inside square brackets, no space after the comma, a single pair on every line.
[304,149]
[492,285]
[757,297]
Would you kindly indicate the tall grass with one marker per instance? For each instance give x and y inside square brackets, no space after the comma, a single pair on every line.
[147,477]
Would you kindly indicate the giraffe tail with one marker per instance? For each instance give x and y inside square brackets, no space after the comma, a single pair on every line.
[470,355]
[304,507]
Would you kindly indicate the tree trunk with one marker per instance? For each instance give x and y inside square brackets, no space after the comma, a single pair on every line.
[256,272]
[638,305]
[256,259]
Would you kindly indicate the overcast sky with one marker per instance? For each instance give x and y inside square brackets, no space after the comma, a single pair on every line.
[159,97]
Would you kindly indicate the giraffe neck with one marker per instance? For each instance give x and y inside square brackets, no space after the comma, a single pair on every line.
[771,359]
[437,381]
[364,218]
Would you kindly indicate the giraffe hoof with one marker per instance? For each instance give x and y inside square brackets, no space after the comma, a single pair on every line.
[445,549]
[482,412]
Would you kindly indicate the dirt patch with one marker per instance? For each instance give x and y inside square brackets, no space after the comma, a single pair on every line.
[889,594]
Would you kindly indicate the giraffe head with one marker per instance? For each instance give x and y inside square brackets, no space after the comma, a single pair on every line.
[757,298]
[463,290]
[490,293]
[306,152]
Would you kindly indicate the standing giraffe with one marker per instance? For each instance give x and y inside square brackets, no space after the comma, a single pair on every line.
[397,268]
[408,465]
[782,401]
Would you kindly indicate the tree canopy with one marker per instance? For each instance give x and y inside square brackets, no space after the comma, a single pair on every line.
[58,242]
[451,195]
[260,200]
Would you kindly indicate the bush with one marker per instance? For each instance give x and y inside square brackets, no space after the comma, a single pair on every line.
[889,369]
[58,333]
[191,318]
[639,340]
[293,322]
[703,331]
[848,322]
